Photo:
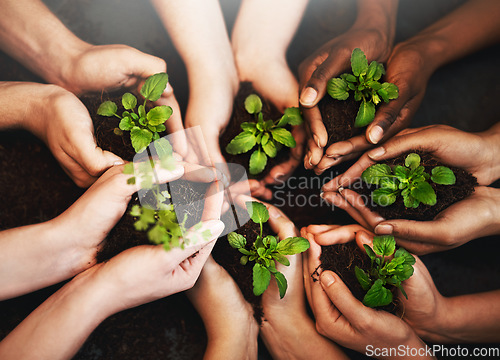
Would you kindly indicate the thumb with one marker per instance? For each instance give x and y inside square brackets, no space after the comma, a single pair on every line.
[350,307]
[421,231]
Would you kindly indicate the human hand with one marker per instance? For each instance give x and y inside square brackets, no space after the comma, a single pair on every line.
[372,34]
[345,320]
[449,229]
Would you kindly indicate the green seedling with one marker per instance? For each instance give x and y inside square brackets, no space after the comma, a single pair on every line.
[364,82]
[268,135]
[144,126]
[409,181]
[158,218]
[265,251]
[383,272]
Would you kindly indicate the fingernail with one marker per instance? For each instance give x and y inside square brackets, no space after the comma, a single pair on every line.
[340,190]
[275,213]
[322,194]
[216,228]
[327,279]
[376,134]
[310,163]
[384,229]
[376,153]
[333,156]
[317,141]
[308,96]
[118,162]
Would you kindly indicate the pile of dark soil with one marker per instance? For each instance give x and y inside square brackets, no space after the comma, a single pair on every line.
[446,194]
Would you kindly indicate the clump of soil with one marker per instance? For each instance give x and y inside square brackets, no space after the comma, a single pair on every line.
[446,194]
[186,194]
[338,117]
[229,259]
[240,115]
[343,259]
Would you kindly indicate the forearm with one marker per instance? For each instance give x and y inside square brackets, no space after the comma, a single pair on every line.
[379,16]
[469,318]
[297,339]
[59,327]
[469,28]
[265,28]
[35,256]
[34,36]
[232,341]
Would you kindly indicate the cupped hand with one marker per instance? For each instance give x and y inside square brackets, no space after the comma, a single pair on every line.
[329,61]
[345,320]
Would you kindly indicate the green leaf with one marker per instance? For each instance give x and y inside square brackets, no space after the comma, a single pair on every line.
[236,240]
[248,127]
[126,124]
[281,259]
[140,138]
[375,173]
[363,278]
[337,89]
[424,192]
[142,111]
[443,175]
[163,148]
[258,161]
[265,139]
[412,161]
[244,260]
[107,108]
[401,172]
[292,245]
[371,254]
[391,90]
[389,183]
[379,72]
[359,64]
[154,86]
[410,201]
[282,284]
[283,136]
[129,101]
[257,211]
[242,143]
[253,104]
[378,295]
[261,279]
[136,210]
[270,149]
[409,258]
[384,245]
[159,114]
[384,197]
[366,114]
[293,115]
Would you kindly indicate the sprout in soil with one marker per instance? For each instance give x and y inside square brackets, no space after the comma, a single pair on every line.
[384,273]
[265,251]
[268,135]
[409,181]
[144,126]
[364,83]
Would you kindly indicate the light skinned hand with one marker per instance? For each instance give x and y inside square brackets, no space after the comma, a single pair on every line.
[345,320]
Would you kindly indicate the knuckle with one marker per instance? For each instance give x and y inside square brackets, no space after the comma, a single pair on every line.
[320,327]
[321,74]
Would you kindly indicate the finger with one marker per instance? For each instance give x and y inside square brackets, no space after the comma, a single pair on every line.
[339,201]
[355,144]
[350,307]
[340,235]
[401,144]
[350,176]
[420,248]
[315,125]
[358,202]
[313,156]
[143,171]
[315,88]
[280,223]
[214,199]
[259,190]
[199,173]
[421,231]
[328,162]
[318,229]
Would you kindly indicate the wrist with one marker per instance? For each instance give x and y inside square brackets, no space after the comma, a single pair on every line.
[491,141]
[379,16]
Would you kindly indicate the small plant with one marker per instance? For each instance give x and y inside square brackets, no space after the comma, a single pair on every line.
[268,135]
[144,126]
[383,272]
[409,181]
[156,215]
[265,251]
[364,83]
